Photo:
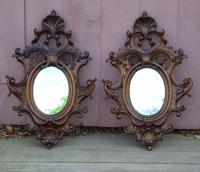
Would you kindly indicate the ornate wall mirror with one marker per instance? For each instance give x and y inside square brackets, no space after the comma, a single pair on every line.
[148,92]
[50,92]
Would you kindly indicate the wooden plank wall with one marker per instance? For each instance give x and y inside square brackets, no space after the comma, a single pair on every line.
[99,26]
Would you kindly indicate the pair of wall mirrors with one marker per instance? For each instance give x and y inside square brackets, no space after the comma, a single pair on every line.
[50,92]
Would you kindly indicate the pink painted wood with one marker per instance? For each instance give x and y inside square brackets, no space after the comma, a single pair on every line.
[99,26]
[117,18]
[11,36]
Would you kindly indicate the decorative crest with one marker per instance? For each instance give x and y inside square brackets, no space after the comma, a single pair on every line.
[53,28]
[145,36]
[52,46]
[147,48]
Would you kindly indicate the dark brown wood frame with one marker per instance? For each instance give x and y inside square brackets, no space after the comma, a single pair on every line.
[52,46]
[147,48]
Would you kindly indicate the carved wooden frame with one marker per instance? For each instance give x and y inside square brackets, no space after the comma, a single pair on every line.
[147,48]
[52,46]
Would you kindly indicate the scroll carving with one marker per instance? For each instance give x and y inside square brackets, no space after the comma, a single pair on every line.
[147,47]
[52,46]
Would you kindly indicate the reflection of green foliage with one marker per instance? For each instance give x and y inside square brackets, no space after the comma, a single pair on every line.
[151,111]
[77,131]
[59,107]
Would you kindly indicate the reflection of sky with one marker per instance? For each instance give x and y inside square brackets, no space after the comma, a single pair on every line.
[147,91]
[49,87]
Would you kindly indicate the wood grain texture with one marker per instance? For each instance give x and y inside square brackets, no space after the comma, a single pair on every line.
[35,11]
[97,167]
[101,152]
[188,38]
[84,19]
[117,18]
[97,26]
[11,36]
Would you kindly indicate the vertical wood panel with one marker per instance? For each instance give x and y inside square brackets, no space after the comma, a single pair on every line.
[165,14]
[11,37]
[99,26]
[118,16]
[84,19]
[35,11]
[188,28]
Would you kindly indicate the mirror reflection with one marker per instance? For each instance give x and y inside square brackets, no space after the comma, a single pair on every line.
[147,91]
[50,90]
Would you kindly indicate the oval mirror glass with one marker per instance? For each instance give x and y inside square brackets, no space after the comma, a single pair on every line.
[147,91]
[50,90]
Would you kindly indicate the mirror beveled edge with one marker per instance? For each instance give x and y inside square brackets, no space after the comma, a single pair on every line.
[52,46]
[147,48]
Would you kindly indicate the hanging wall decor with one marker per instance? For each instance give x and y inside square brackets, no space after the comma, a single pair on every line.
[50,92]
[148,92]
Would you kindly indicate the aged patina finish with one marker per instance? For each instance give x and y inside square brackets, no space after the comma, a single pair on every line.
[147,48]
[52,46]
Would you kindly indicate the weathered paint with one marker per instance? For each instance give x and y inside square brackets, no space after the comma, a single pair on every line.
[99,26]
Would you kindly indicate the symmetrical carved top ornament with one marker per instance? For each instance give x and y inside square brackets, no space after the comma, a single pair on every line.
[52,46]
[145,32]
[147,48]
